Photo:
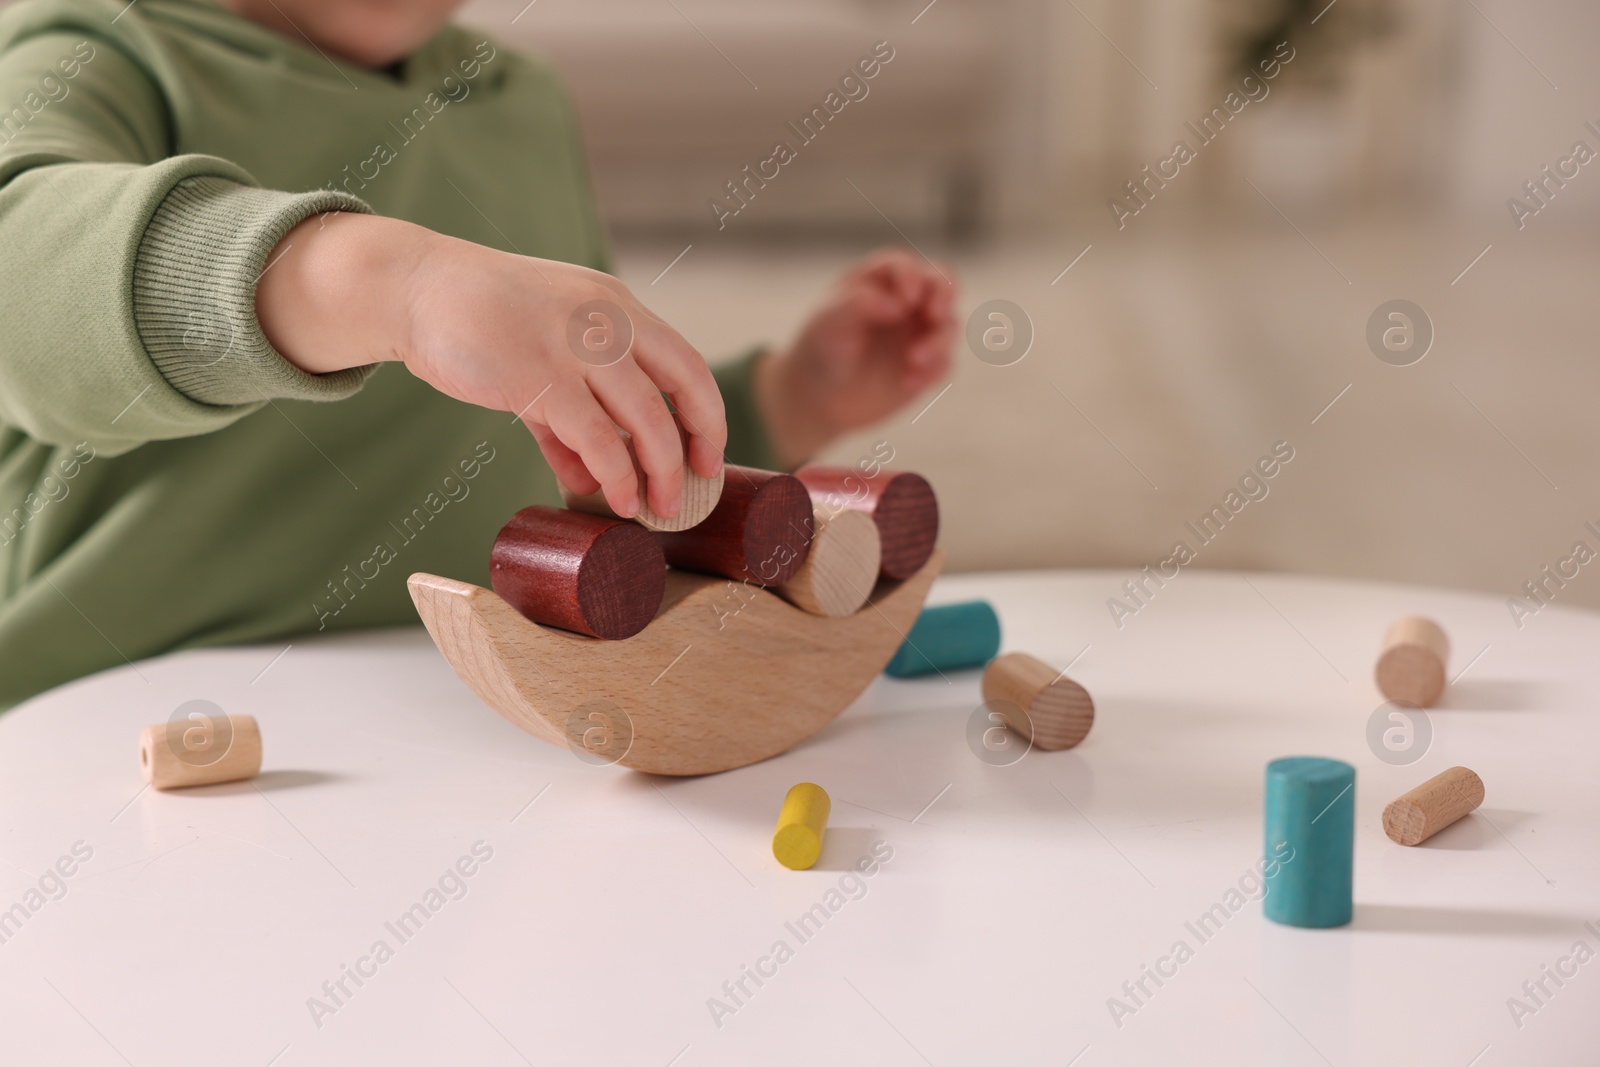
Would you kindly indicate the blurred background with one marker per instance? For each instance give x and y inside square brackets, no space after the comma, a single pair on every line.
[1171,348]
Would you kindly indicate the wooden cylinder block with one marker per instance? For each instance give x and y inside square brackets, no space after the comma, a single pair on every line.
[699,494]
[1411,665]
[841,568]
[1036,701]
[797,843]
[586,573]
[1310,841]
[200,750]
[901,503]
[1430,807]
[759,532]
[950,637]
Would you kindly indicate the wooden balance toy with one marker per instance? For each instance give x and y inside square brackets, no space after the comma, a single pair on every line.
[728,673]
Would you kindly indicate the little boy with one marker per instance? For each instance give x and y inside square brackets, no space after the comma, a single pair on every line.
[219,219]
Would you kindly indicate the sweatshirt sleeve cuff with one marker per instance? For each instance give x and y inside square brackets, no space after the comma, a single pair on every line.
[748,442]
[194,292]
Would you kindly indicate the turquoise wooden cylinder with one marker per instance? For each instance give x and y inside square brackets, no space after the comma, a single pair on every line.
[1310,841]
[950,637]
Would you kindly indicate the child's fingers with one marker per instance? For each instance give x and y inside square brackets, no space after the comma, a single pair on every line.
[919,381]
[923,284]
[902,271]
[941,292]
[636,405]
[704,456]
[567,464]
[580,423]
[932,290]
[680,372]
[940,307]
[930,353]
[875,304]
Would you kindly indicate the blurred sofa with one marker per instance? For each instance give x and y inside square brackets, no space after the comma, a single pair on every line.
[678,96]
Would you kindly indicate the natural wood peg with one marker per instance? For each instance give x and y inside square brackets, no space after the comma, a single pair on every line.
[901,503]
[1037,701]
[204,748]
[1411,666]
[1430,807]
[759,532]
[586,573]
[699,495]
[841,568]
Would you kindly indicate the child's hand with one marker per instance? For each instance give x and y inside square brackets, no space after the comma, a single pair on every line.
[498,330]
[879,339]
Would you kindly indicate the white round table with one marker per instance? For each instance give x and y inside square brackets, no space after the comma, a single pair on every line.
[324,912]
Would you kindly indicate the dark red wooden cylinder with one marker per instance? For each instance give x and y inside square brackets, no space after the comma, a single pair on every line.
[759,532]
[587,573]
[901,503]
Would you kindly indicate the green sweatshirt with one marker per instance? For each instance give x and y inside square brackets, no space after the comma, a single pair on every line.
[169,481]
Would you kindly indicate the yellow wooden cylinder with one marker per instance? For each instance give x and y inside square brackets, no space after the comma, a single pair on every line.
[804,819]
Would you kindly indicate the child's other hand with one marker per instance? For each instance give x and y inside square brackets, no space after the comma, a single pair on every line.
[880,338]
[502,331]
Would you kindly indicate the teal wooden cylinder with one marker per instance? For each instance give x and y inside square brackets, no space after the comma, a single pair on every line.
[1310,841]
[950,637]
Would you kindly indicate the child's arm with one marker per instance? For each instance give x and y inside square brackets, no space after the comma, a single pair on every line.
[492,329]
[880,338]
[129,289]
[126,276]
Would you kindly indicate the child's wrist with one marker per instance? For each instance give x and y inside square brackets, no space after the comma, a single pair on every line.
[336,291]
[794,427]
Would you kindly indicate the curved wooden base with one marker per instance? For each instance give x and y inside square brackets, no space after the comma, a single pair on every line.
[726,675]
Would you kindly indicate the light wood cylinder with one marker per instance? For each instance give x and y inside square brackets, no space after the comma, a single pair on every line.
[181,753]
[1430,807]
[699,497]
[842,567]
[1412,664]
[1051,710]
